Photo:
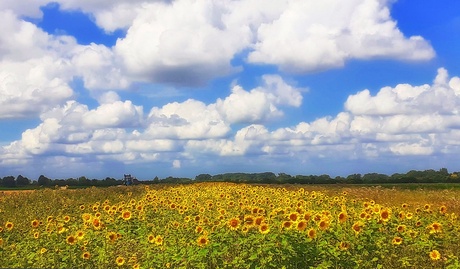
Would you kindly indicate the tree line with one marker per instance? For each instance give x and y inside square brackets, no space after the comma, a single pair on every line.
[427,176]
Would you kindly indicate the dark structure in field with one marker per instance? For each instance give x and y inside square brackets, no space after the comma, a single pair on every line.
[130,180]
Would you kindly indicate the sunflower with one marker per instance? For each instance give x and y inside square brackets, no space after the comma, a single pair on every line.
[307,216]
[97,224]
[66,218]
[344,245]
[323,224]
[159,240]
[357,227]
[120,261]
[293,216]
[9,225]
[343,216]
[43,250]
[61,229]
[259,220]
[71,240]
[86,217]
[286,224]
[264,228]
[151,238]
[86,255]
[36,235]
[435,227]
[80,234]
[111,236]
[199,229]
[202,240]
[301,225]
[435,255]
[385,215]
[443,209]
[35,223]
[249,220]
[126,215]
[311,233]
[401,228]
[397,240]
[233,223]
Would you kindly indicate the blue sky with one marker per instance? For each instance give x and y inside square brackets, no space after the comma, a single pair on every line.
[180,88]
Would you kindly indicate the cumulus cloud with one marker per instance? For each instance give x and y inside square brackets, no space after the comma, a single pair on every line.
[440,98]
[259,104]
[305,38]
[36,68]
[98,67]
[190,43]
[187,43]
[193,130]
[191,119]
[30,87]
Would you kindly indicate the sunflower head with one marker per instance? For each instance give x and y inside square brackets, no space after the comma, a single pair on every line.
[71,239]
[233,223]
[120,261]
[86,255]
[264,228]
[397,240]
[311,233]
[202,241]
[435,255]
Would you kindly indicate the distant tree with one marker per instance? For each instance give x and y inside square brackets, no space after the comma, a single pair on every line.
[43,181]
[203,177]
[22,181]
[9,181]
[83,181]
[355,179]
[156,180]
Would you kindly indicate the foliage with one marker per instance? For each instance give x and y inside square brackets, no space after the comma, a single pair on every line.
[427,176]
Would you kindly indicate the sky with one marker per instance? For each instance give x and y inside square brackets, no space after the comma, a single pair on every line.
[179,87]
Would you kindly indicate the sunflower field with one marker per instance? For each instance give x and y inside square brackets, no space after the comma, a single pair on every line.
[224,225]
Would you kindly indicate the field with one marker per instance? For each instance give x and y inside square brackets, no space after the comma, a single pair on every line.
[223,225]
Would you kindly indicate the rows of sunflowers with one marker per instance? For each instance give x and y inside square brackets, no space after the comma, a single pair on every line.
[223,225]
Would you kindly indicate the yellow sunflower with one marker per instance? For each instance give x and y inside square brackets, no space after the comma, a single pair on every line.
[435,255]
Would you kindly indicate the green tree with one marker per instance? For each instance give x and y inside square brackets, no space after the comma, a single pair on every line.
[43,181]
[9,182]
[22,181]
[203,177]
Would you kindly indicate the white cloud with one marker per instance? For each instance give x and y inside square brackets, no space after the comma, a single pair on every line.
[36,68]
[176,164]
[259,104]
[439,98]
[197,131]
[98,67]
[117,114]
[181,42]
[313,35]
[30,87]
[187,120]
[190,43]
